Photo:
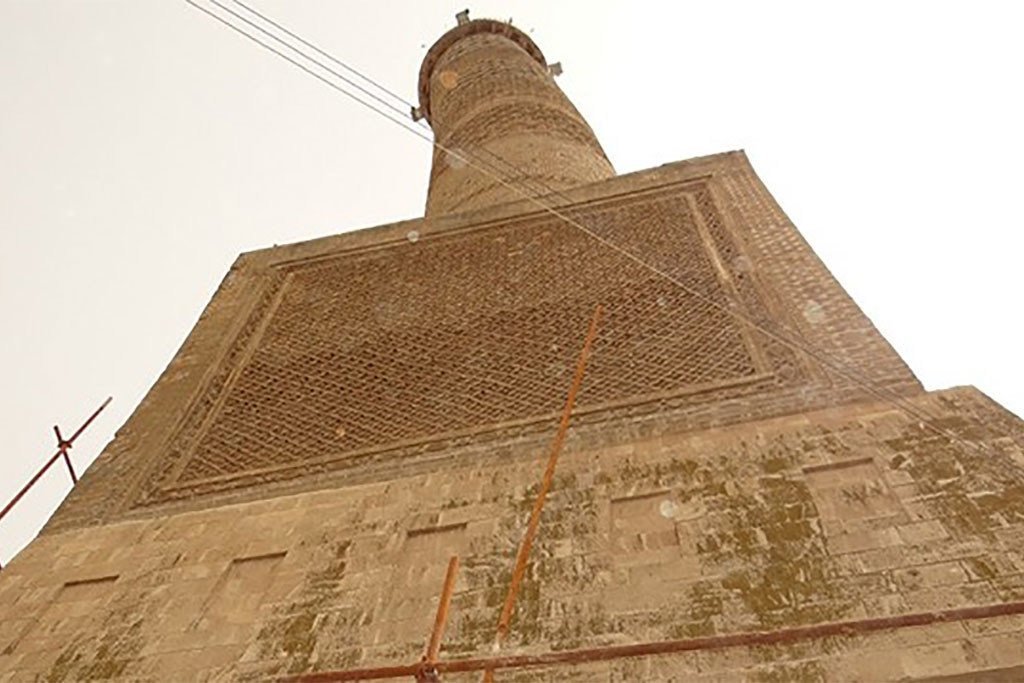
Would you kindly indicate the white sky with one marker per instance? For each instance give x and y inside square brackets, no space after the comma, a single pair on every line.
[143,146]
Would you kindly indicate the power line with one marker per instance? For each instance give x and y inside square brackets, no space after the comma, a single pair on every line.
[329,56]
[893,399]
[422,124]
[883,394]
[457,154]
[264,31]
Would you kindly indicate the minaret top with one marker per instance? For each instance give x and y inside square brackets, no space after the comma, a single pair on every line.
[464,29]
[492,101]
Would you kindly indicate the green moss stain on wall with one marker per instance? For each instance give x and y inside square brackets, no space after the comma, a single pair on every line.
[760,541]
[767,537]
[110,655]
[291,636]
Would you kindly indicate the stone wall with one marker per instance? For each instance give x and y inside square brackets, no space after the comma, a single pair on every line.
[843,514]
[748,454]
[369,355]
[726,474]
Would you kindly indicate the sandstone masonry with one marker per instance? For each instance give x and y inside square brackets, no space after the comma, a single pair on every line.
[748,454]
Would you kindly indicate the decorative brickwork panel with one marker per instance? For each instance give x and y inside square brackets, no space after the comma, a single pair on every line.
[363,356]
[474,333]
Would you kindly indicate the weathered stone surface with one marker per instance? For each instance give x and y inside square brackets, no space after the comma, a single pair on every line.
[748,454]
[504,130]
[683,534]
[356,357]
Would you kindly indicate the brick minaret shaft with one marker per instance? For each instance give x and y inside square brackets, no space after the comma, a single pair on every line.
[487,92]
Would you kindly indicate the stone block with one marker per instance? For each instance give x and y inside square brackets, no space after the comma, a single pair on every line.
[941,574]
[864,540]
[923,532]
[946,658]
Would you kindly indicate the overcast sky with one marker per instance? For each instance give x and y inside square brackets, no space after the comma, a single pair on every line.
[143,146]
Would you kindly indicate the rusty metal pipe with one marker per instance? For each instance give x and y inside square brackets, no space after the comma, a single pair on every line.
[31,482]
[549,474]
[663,647]
[62,450]
[442,610]
[89,421]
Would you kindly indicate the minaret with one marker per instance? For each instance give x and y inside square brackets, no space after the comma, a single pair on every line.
[753,486]
[491,99]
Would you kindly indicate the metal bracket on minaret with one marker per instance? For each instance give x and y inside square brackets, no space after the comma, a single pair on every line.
[555,69]
[416,113]
[462,17]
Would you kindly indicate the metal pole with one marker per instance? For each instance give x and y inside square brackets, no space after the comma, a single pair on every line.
[30,484]
[427,672]
[62,450]
[549,474]
[835,629]
[442,610]
[63,447]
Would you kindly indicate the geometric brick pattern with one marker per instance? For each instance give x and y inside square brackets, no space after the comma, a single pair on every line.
[425,339]
[486,90]
[357,357]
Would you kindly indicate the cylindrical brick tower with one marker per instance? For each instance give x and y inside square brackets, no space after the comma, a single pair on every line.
[487,92]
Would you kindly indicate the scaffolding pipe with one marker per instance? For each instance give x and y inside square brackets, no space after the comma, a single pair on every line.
[666,647]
